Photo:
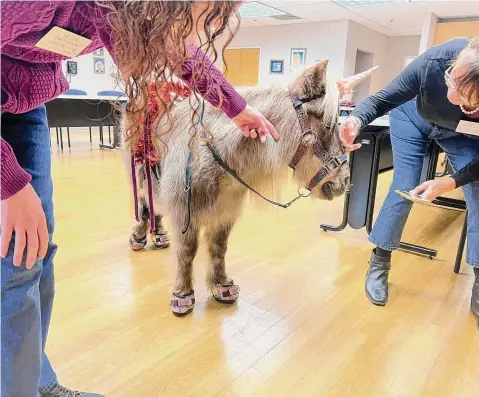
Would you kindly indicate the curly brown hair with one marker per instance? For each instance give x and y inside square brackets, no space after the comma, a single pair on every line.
[150,46]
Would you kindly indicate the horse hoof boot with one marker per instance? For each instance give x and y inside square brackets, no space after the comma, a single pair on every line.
[226,293]
[160,240]
[182,304]
[137,243]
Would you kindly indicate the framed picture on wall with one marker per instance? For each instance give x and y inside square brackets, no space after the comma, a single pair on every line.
[298,58]
[72,67]
[99,65]
[276,66]
[99,53]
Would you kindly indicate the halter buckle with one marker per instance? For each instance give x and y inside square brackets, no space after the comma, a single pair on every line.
[332,164]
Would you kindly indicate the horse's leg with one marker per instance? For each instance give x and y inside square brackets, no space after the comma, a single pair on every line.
[160,236]
[183,298]
[223,288]
[140,230]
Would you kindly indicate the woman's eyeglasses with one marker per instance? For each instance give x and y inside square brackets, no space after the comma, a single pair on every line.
[452,85]
[447,76]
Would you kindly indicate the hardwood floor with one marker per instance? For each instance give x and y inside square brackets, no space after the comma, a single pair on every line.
[302,326]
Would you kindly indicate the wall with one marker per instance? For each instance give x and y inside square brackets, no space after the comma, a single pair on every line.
[364,61]
[397,49]
[323,40]
[337,41]
[87,80]
[367,40]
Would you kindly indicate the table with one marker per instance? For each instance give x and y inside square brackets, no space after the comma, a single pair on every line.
[366,164]
[82,111]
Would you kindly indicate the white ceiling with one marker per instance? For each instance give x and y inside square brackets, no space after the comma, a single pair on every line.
[395,19]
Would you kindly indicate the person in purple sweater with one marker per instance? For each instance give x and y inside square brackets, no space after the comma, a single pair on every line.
[144,38]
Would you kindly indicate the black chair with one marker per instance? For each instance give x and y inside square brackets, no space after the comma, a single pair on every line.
[453,204]
[374,158]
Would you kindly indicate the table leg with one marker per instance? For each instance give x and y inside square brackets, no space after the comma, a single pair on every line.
[345,217]
[460,249]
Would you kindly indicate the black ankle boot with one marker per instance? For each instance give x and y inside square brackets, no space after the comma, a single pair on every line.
[377,279]
[475,296]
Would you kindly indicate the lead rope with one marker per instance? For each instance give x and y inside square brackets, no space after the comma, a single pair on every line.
[135,190]
[146,138]
[148,143]
[143,155]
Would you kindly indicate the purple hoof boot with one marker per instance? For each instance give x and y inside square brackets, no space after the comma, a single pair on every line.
[228,293]
[181,305]
[137,243]
[160,240]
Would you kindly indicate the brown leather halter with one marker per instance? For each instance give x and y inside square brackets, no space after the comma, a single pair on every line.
[330,163]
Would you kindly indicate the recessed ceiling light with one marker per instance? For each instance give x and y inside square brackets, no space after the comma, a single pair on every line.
[254,9]
[365,3]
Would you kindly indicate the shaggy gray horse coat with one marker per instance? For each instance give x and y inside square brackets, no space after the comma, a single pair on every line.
[216,197]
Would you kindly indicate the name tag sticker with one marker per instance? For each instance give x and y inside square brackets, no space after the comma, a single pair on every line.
[468,127]
[63,42]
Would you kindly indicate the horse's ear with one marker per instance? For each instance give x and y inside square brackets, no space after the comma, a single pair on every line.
[311,83]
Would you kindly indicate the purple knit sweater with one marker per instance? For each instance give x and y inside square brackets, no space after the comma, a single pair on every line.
[32,76]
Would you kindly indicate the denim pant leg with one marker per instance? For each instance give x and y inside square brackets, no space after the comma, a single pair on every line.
[409,139]
[461,150]
[27,295]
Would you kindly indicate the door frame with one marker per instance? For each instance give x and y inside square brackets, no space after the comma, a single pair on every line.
[245,47]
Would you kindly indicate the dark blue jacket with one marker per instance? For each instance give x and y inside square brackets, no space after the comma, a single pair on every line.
[424,80]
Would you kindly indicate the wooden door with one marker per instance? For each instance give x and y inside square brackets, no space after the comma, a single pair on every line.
[449,30]
[242,66]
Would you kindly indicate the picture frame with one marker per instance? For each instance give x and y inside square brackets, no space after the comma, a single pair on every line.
[276,66]
[298,58]
[99,65]
[99,53]
[72,67]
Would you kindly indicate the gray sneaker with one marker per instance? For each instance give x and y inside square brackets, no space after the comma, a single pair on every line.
[58,390]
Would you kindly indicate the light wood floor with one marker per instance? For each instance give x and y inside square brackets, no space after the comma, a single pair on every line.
[302,326]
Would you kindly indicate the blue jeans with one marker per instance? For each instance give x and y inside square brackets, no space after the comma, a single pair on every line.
[27,295]
[410,138]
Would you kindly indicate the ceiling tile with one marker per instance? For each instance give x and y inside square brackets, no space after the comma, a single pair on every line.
[321,10]
[392,10]
[450,9]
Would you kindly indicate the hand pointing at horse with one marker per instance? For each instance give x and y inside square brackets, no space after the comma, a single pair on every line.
[253,124]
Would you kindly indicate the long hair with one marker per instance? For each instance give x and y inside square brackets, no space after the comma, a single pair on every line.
[150,43]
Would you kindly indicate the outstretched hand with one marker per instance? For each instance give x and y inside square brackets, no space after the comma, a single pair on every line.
[253,124]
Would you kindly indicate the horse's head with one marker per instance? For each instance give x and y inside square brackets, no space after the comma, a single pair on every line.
[322,167]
